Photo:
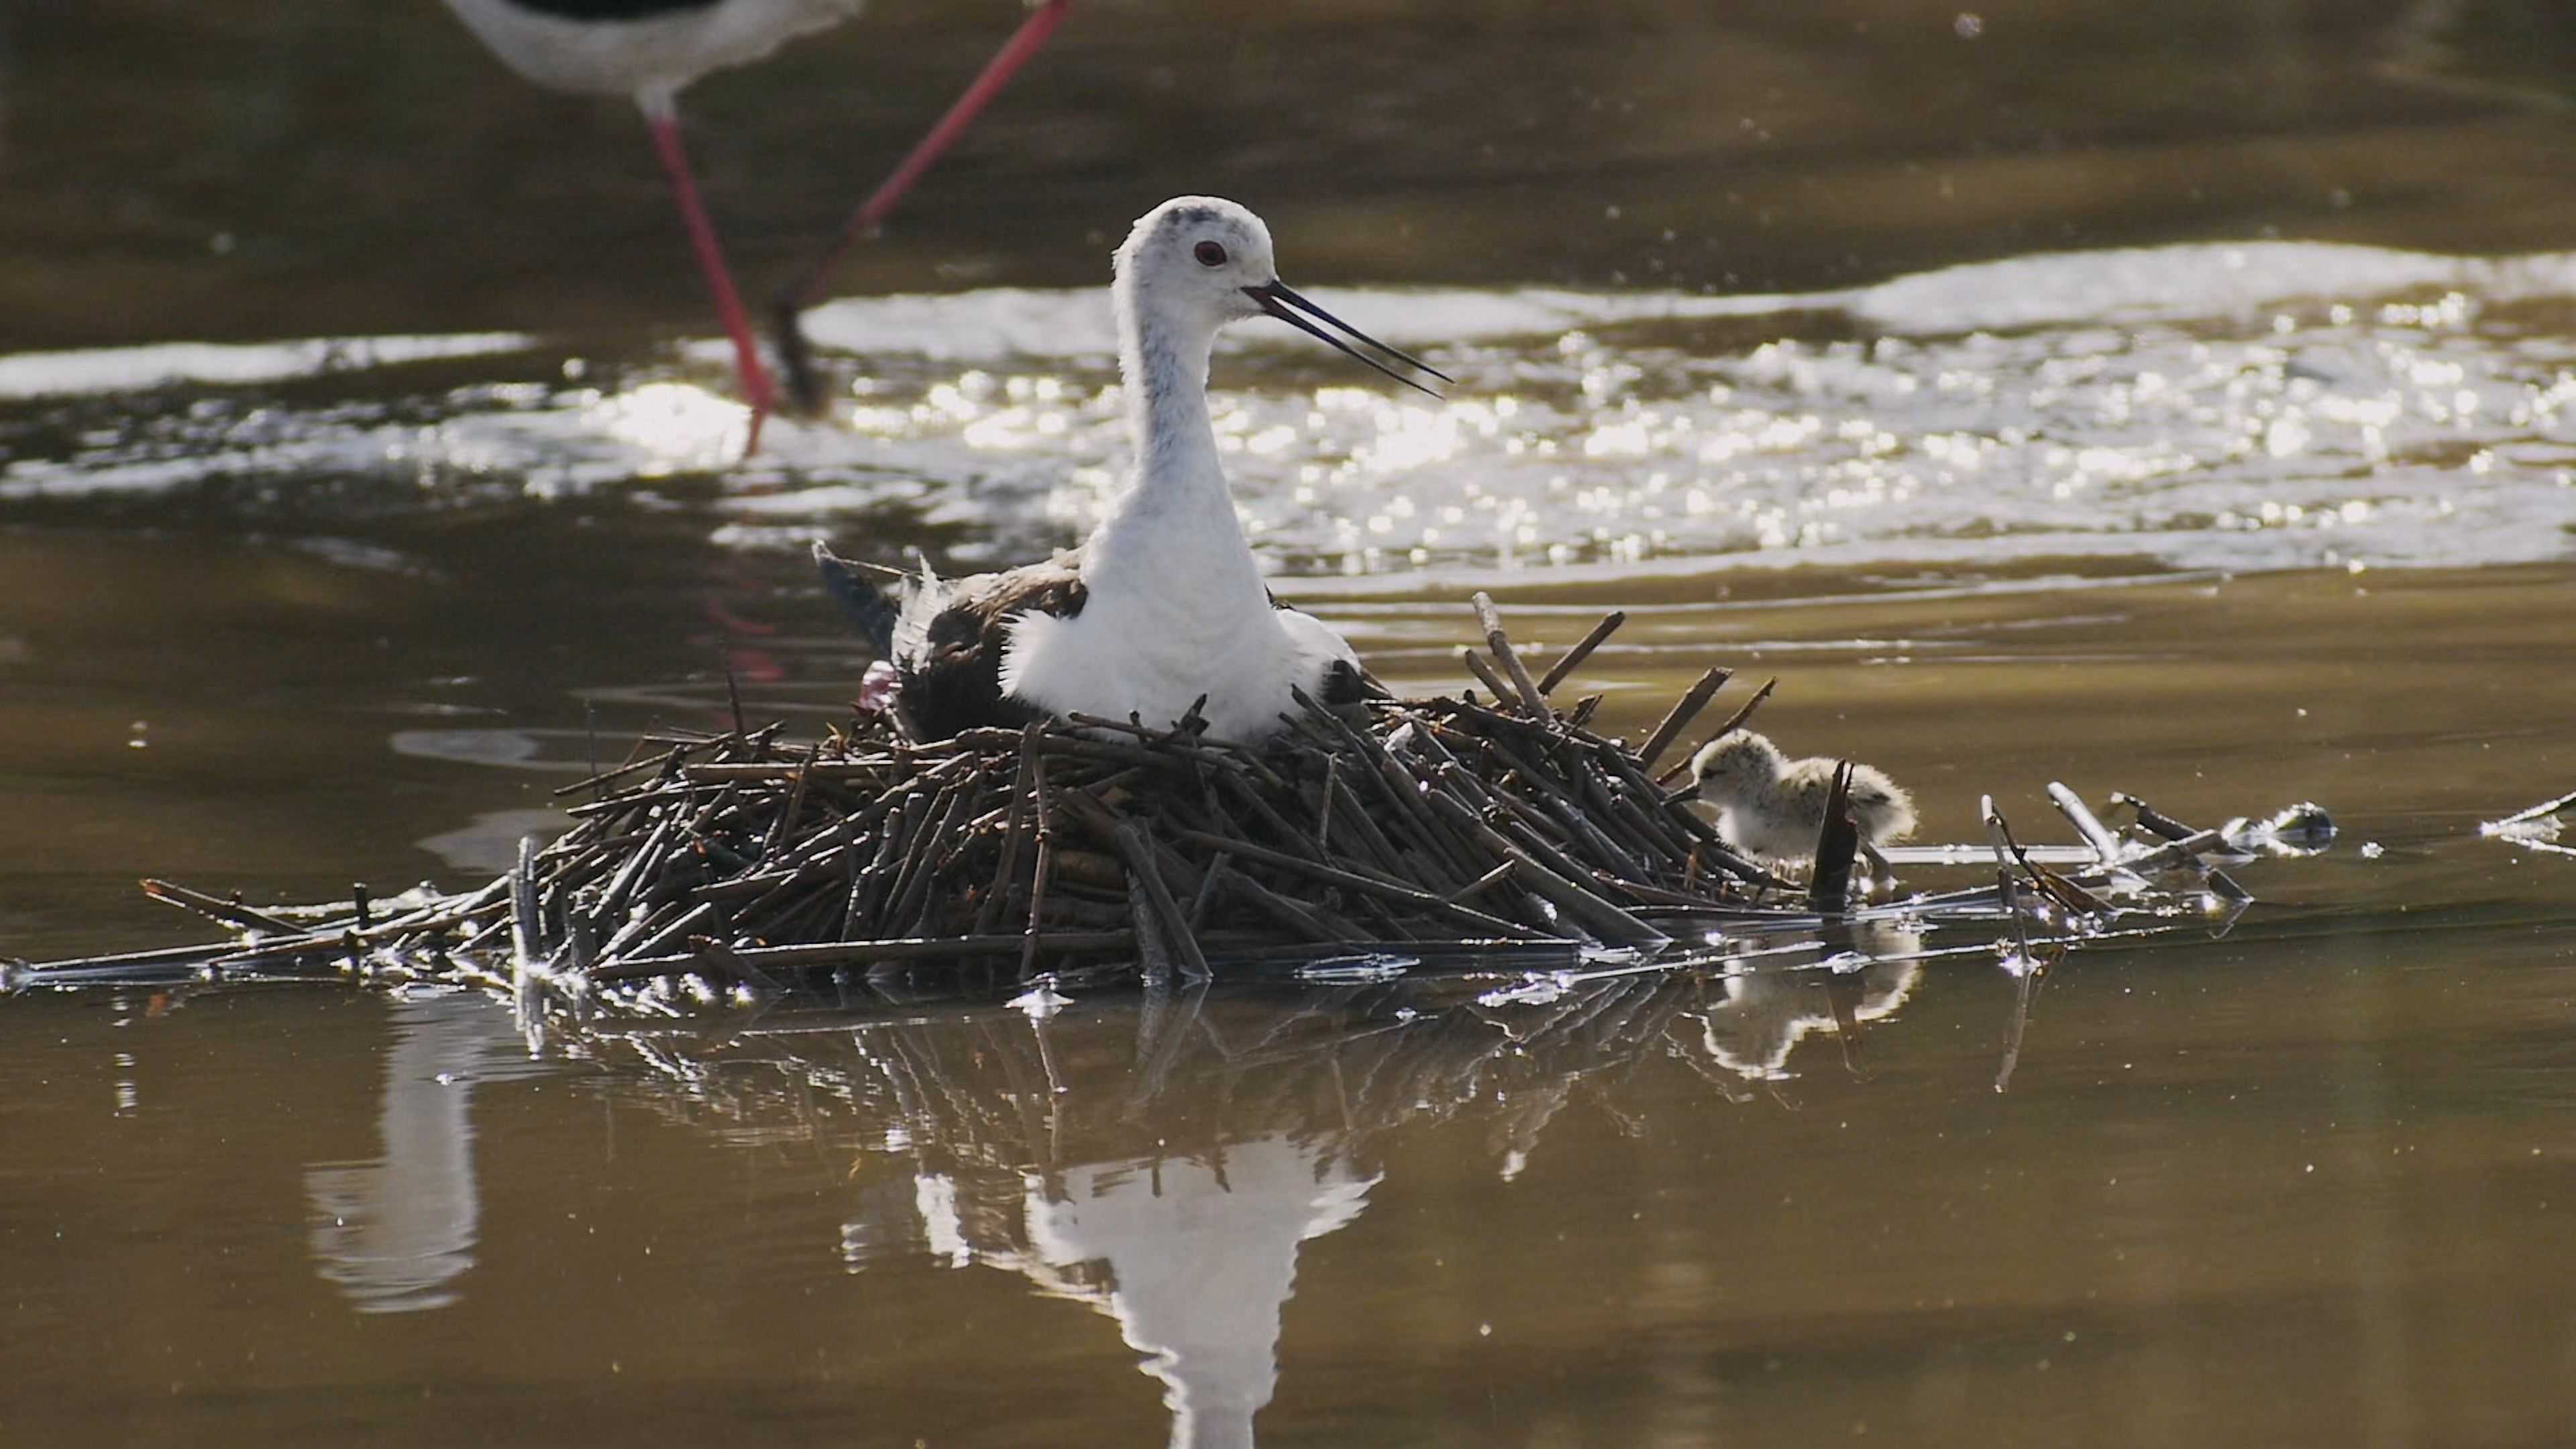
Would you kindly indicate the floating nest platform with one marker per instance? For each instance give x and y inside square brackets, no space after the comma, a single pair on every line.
[1448,826]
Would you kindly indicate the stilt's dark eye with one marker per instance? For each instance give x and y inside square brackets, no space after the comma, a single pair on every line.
[1210,254]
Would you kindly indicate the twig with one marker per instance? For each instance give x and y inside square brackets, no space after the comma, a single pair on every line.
[1144,870]
[2105,845]
[1484,672]
[1352,880]
[1501,643]
[1006,870]
[2544,808]
[1044,873]
[856,953]
[232,911]
[1684,710]
[1837,844]
[1581,651]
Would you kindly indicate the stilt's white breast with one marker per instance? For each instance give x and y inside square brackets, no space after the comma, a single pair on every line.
[653,55]
[1118,658]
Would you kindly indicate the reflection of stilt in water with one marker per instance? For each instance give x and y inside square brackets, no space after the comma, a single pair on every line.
[1765,1012]
[395,1232]
[1200,1257]
[1164,1161]
[1195,1258]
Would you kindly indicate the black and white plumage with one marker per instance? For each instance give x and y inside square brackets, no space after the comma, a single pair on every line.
[1164,603]
[651,50]
[648,49]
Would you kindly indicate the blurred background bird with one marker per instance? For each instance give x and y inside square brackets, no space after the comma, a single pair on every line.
[651,50]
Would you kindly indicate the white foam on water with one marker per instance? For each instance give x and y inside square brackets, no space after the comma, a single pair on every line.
[2209,406]
[226,364]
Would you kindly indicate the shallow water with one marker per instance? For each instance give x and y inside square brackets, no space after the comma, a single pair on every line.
[2173,403]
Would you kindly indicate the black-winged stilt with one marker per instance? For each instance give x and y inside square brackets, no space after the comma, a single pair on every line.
[653,49]
[1773,807]
[1164,603]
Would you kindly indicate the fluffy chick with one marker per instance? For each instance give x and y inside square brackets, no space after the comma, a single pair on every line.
[1772,807]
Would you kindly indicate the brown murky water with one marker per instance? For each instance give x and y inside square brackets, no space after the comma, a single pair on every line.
[2218,514]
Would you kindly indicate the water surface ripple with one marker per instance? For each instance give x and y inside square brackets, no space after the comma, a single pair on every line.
[2234,406]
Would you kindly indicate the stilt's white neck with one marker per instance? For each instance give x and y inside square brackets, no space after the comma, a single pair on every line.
[1173,531]
[1175,609]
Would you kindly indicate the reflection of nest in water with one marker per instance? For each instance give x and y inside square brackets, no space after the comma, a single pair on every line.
[993,1091]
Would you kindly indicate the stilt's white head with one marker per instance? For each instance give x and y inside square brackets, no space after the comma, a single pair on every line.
[1195,263]
[1197,257]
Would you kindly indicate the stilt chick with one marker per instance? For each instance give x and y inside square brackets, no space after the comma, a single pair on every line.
[1772,807]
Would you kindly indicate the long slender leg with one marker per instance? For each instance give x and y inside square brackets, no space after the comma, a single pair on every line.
[871,213]
[661,115]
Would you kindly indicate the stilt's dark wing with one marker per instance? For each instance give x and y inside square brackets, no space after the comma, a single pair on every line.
[866,605]
[953,680]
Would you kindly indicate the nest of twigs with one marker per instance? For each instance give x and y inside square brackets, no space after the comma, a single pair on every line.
[1453,827]
[1363,838]
[1443,823]
[1447,820]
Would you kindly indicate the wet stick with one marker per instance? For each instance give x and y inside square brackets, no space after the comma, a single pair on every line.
[2057,888]
[1500,642]
[2151,821]
[1573,658]
[1837,847]
[525,932]
[1610,922]
[2104,844]
[781,828]
[695,919]
[1203,901]
[2007,885]
[922,853]
[1477,666]
[1044,872]
[596,781]
[860,953]
[232,912]
[1006,871]
[1324,808]
[1351,880]
[1684,710]
[1483,883]
[2541,811]
[1145,873]
[1300,918]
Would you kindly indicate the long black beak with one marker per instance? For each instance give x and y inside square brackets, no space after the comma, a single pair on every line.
[1276,298]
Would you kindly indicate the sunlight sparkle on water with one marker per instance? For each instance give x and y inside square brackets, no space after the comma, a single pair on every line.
[676,426]
[2244,407]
